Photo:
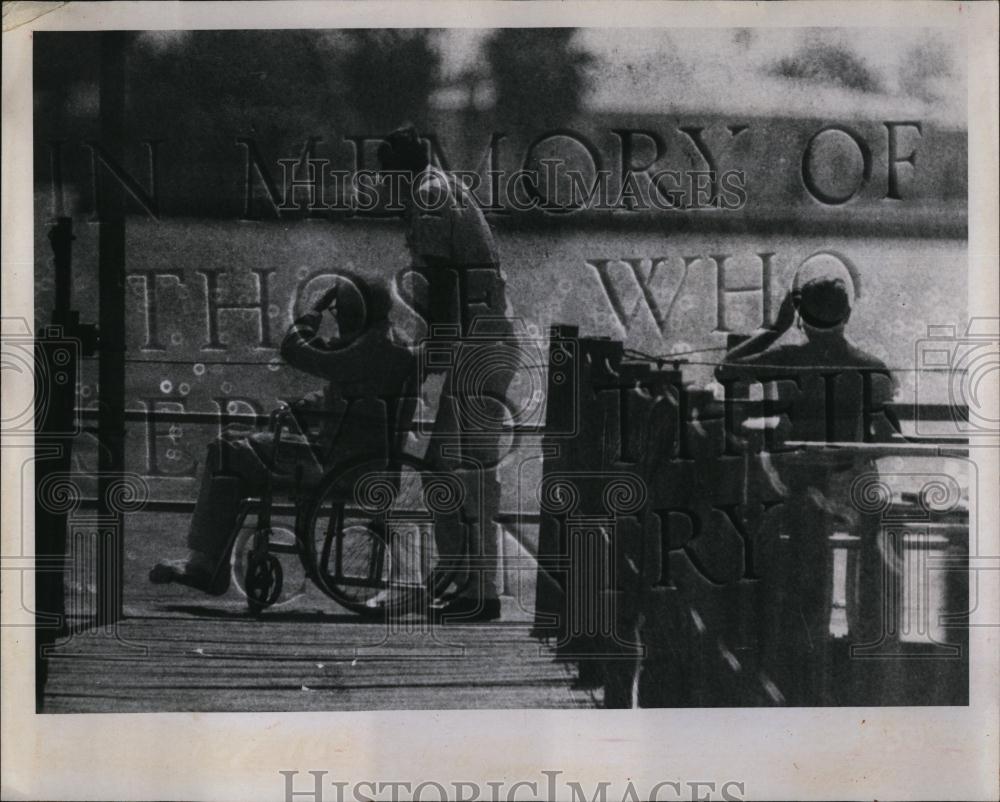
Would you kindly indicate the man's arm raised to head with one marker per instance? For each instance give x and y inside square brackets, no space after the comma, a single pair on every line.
[303,349]
[747,353]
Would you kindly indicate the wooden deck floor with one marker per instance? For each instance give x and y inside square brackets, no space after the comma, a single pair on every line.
[179,650]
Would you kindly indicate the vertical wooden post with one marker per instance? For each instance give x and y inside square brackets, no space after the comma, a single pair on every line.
[56,361]
[111,275]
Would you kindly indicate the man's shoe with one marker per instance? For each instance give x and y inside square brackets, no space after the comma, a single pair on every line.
[185,573]
[396,602]
[467,611]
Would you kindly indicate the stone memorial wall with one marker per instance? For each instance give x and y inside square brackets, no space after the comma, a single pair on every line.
[669,234]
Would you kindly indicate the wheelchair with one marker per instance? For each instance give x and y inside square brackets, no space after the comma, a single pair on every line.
[380,536]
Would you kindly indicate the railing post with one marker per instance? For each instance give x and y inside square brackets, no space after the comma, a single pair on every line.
[58,349]
[111,258]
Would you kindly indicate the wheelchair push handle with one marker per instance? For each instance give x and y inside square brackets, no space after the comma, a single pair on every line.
[281,418]
[277,421]
[279,414]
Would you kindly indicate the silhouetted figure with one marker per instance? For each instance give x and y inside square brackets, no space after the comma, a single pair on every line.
[822,390]
[829,404]
[452,247]
[362,367]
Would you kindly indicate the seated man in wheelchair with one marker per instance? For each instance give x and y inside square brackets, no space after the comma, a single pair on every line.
[362,367]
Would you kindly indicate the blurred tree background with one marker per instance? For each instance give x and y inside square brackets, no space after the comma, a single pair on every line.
[384,77]
[197,92]
[828,64]
[222,84]
[255,81]
[539,75]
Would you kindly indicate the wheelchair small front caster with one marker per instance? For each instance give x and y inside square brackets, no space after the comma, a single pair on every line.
[263,581]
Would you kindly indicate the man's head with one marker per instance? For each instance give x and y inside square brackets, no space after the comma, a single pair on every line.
[402,151]
[824,306]
[366,306]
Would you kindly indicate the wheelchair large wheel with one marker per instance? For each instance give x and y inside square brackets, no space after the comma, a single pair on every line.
[380,539]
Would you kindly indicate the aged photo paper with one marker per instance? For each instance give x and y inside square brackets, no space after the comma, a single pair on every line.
[500,401]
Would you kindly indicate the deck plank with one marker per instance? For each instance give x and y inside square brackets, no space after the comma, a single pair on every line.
[178,650]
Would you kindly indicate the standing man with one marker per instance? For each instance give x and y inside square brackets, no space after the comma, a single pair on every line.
[453,249]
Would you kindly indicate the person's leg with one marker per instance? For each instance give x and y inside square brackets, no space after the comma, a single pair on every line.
[216,505]
[482,494]
[234,469]
[488,451]
[444,455]
[481,436]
